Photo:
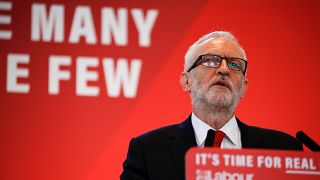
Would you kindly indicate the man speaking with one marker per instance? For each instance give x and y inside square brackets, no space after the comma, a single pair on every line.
[215,77]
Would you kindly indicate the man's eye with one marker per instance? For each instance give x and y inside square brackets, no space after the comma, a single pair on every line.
[211,63]
[235,65]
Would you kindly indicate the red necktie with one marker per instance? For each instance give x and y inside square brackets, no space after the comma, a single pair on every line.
[214,138]
[218,138]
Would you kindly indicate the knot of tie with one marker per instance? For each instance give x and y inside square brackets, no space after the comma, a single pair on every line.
[214,138]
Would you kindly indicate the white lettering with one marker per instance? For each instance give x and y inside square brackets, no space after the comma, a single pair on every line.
[299,163]
[116,27]
[122,76]
[83,76]
[13,73]
[55,74]
[227,175]
[238,160]
[47,26]
[82,25]
[269,161]
[215,159]
[144,25]
[5,19]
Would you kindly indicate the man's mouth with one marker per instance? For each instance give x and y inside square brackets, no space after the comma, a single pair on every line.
[222,84]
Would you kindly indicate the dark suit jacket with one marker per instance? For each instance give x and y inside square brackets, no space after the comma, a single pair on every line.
[159,154]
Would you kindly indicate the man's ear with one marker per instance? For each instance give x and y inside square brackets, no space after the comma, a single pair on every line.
[244,88]
[185,81]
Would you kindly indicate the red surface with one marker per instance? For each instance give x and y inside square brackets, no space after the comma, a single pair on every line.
[215,163]
[67,136]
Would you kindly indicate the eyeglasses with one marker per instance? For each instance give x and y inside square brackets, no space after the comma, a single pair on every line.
[214,61]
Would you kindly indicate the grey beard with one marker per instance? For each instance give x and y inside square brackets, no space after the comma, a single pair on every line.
[219,107]
[221,104]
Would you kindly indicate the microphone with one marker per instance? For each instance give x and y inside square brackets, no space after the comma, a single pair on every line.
[306,140]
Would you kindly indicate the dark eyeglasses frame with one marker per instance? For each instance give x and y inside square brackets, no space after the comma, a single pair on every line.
[197,62]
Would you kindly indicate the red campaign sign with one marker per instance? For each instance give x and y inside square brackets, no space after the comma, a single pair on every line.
[212,163]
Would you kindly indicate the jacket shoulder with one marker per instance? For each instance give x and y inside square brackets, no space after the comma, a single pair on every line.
[273,139]
[162,133]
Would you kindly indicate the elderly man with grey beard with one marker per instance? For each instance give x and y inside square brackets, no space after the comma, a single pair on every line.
[214,75]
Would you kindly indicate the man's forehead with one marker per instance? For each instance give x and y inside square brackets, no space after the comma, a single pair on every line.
[219,44]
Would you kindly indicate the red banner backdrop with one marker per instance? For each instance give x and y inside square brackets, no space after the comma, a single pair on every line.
[78,79]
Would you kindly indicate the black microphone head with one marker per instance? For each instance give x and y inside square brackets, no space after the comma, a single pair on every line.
[300,135]
[306,140]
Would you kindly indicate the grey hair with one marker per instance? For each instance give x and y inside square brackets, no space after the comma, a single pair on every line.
[188,59]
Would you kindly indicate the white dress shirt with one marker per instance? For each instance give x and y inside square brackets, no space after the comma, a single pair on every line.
[232,139]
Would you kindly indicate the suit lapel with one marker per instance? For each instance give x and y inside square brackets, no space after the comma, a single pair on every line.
[182,139]
[249,138]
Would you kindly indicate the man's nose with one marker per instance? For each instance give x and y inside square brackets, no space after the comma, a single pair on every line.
[223,69]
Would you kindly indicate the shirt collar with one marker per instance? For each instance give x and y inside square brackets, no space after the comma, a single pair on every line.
[201,129]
